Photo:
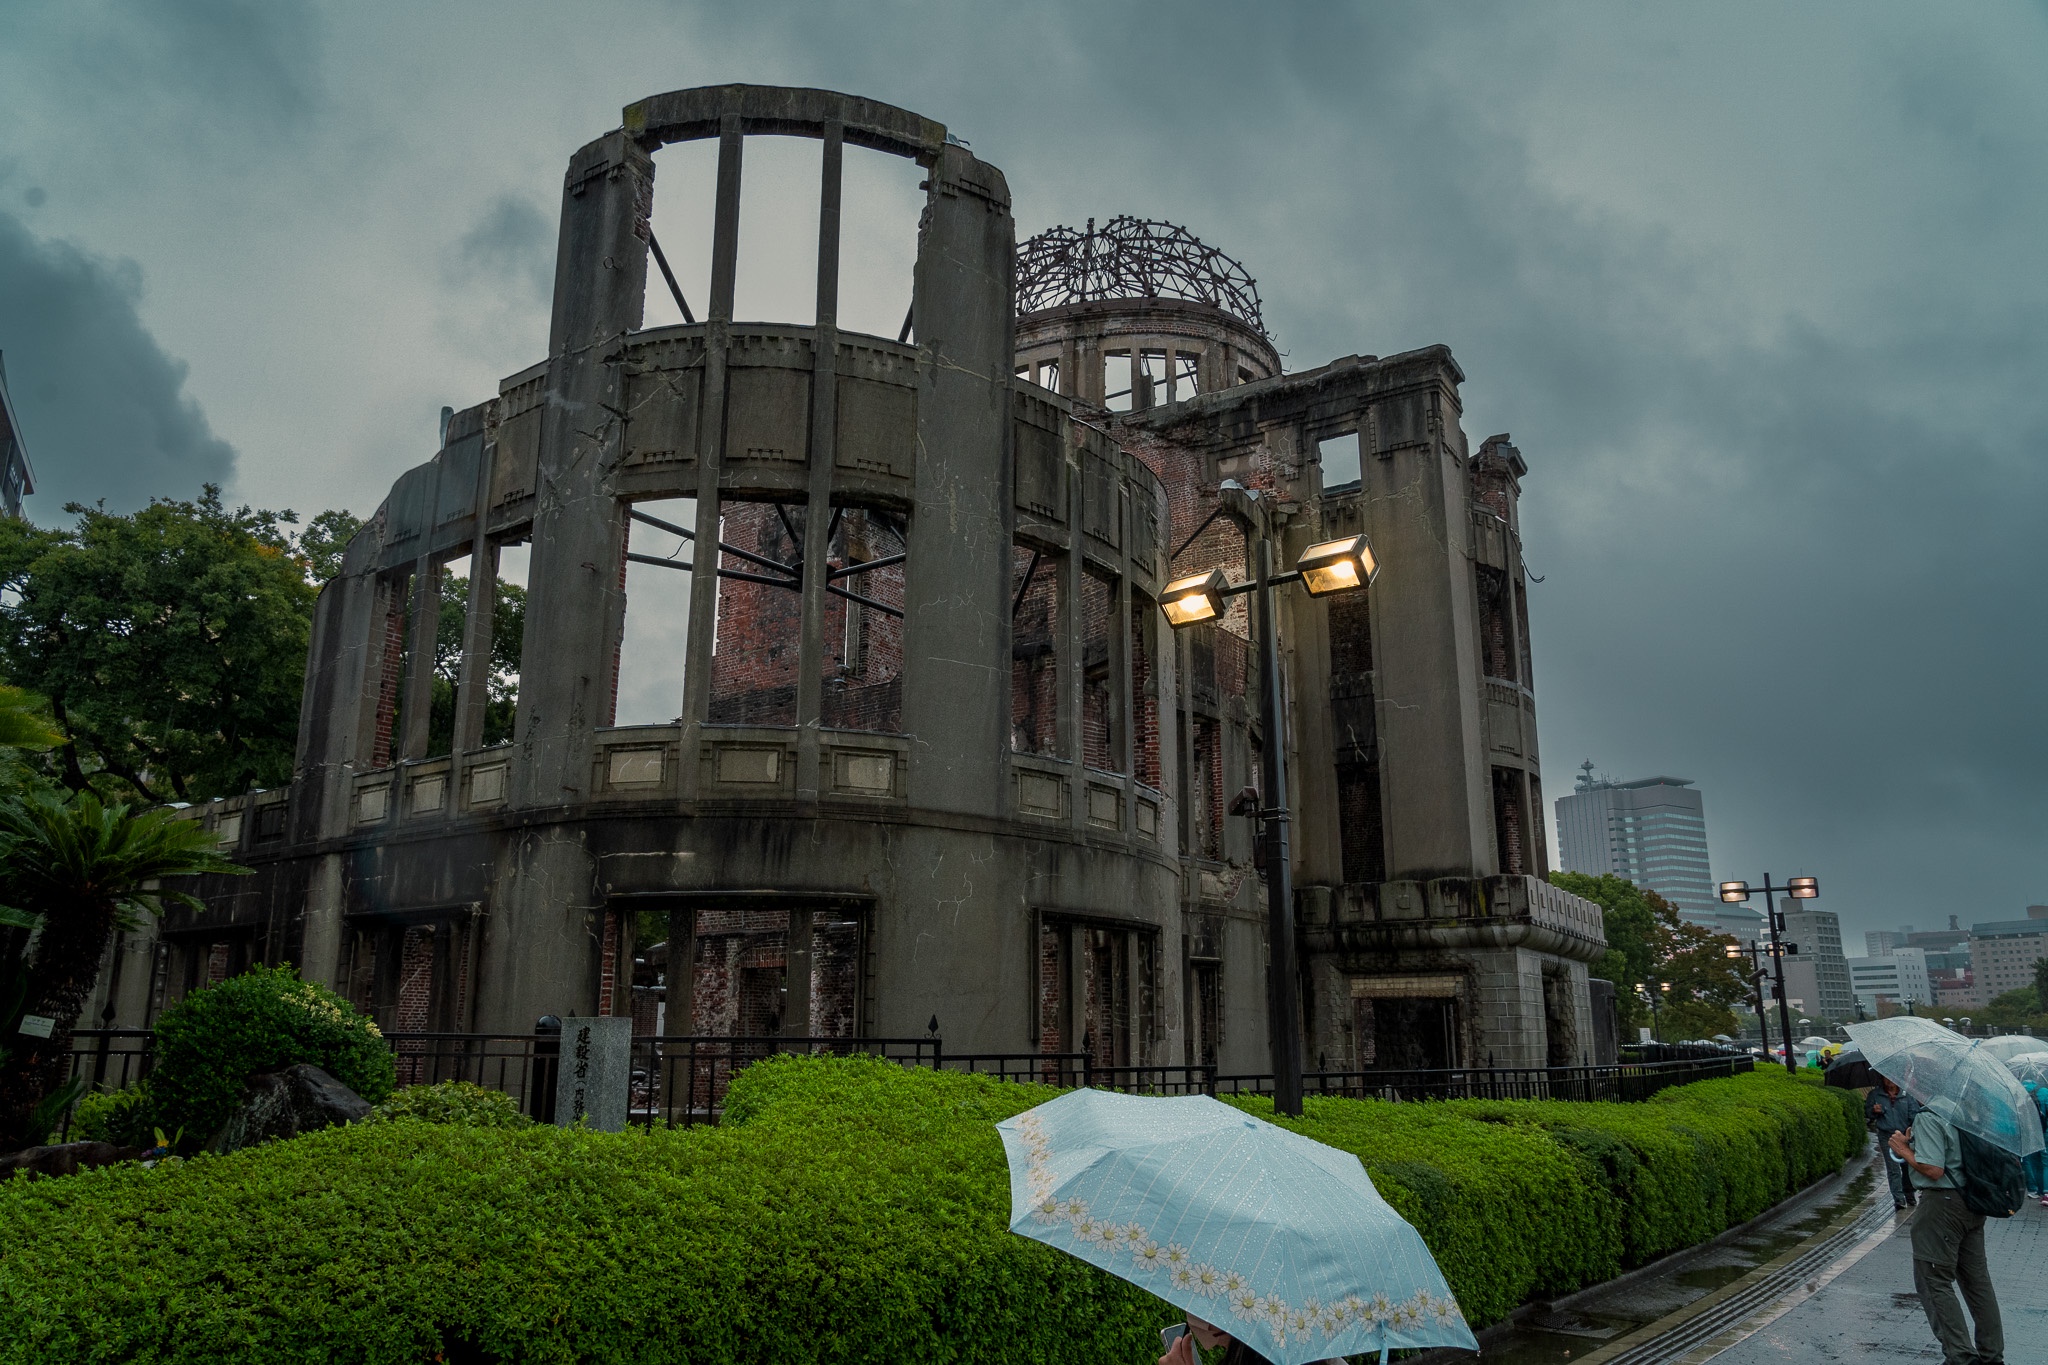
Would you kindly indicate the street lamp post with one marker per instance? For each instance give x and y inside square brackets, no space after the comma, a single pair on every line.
[1651,996]
[1799,888]
[1331,567]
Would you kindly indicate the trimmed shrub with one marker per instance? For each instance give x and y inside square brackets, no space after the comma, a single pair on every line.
[456,1102]
[846,1210]
[212,1041]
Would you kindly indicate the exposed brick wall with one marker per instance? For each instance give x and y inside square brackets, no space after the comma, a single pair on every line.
[390,671]
[1205,776]
[754,669]
[1350,635]
[1145,623]
[1052,988]
[1508,823]
[740,972]
[608,965]
[835,978]
[1361,823]
[1100,747]
[218,957]
[1496,647]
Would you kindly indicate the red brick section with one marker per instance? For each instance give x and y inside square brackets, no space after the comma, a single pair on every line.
[1145,623]
[754,669]
[1099,748]
[835,977]
[1495,645]
[1507,821]
[1034,658]
[390,672]
[217,957]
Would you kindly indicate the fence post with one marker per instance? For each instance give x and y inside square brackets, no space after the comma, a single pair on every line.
[540,1076]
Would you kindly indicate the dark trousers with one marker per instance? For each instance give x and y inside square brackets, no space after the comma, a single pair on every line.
[1948,1250]
[1895,1171]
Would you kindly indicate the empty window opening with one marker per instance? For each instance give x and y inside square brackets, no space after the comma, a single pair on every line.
[1144,693]
[757,650]
[880,205]
[863,688]
[654,645]
[453,619]
[1101,688]
[1117,380]
[1361,822]
[1098,992]
[1048,374]
[1154,382]
[508,641]
[777,279]
[1187,376]
[685,209]
[1406,1033]
[1034,650]
[1339,457]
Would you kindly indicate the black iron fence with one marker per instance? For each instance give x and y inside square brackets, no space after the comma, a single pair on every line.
[680,1081]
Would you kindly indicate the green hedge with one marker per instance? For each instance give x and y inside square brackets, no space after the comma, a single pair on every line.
[845,1210]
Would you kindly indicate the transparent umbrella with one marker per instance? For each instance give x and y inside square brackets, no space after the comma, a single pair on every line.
[1931,1062]
[2014,1045]
[2029,1066]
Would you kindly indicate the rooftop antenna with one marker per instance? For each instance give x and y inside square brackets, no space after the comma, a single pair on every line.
[1586,782]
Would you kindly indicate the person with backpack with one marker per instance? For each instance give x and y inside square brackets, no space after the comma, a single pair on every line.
[1948,1240]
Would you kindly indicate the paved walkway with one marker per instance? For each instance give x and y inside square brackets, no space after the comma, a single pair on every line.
[1868,1313]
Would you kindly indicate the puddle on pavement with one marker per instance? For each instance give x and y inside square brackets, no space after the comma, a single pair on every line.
[1559,1336]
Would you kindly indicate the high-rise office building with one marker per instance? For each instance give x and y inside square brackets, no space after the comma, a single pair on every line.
[1817,977]
[2003,952]
[1892,981]
[1881,942]
[1653,832]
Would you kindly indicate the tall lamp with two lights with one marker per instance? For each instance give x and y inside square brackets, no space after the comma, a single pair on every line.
[1324,570]
[1799,888]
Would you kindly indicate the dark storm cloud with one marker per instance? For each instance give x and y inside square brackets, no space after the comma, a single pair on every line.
[512,244]
[103,408]
[1791,548]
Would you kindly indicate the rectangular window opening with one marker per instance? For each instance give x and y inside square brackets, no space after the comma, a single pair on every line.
[1117,379]
[777,276]
[685,210]
[1035,632]
[1339,457]
[654,643]
[757,651]
[863,687]
[880,204]
[1101,728]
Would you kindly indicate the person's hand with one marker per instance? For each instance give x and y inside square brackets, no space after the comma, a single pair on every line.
[1182,1352]
[1901,1147]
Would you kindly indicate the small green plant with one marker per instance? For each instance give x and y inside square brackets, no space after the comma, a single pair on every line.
[456,1102]
[212,1041]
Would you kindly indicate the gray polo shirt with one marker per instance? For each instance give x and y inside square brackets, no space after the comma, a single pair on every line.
[1935,1144]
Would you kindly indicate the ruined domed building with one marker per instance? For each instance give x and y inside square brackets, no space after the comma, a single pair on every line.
[936,751]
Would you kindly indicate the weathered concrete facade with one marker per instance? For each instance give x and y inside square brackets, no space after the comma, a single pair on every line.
[936,752]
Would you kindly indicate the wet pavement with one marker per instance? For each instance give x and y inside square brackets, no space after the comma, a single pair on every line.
[1869,1313]
[1621,1318]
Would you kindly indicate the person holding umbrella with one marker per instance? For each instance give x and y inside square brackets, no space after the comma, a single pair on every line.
[1964,1090]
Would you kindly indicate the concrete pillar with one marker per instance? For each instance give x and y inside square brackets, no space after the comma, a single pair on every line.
[1426,637]
[956,599]
[572,596]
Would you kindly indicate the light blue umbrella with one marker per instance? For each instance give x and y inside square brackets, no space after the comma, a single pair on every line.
[2029,1067]
[1930,1062]
[1279,1240]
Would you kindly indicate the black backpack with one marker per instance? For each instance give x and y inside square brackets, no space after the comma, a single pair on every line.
[1993,1183]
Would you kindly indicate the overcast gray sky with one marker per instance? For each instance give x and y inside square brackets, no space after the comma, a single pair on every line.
[1760,290]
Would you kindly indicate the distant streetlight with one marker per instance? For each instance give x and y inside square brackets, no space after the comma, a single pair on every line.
[1799,888]
[1331,567]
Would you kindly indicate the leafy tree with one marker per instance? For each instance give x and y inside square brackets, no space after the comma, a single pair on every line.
[2041,981]
[501,684]
[1648,944]
[171,643]
[325,538]
[2014,1009]
[83,868]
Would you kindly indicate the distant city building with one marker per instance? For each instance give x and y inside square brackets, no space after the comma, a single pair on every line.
[2003,952]
[1890,982]
[17,478]
[1881,942]
[1960,991]
[1817,977]
[1654,833]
